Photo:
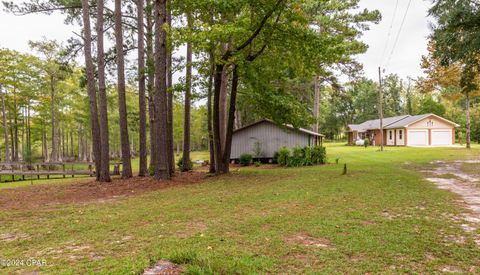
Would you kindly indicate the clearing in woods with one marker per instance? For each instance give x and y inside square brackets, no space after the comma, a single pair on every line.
[382,217]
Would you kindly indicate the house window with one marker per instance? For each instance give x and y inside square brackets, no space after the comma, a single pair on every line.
[390,134]
[400,134]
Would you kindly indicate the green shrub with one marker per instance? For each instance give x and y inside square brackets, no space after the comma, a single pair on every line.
[307,156]
[275,157]
[245,159]
[283,155]
[180,164]
[366,142]
[257,163]
[297,158]
[319,155]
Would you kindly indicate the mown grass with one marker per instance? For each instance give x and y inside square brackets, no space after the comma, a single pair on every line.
[381,217]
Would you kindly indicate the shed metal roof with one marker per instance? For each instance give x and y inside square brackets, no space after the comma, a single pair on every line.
[289,126]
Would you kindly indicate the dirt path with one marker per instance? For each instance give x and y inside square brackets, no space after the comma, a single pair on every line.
[461,177]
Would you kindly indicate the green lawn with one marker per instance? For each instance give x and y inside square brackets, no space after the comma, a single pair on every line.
[381,217]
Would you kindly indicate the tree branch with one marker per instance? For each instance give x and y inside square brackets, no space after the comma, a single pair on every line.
[260,27]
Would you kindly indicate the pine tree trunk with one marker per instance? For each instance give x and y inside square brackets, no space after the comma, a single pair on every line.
[162,170]
[171,158]
[22,155]
[80,142]
[72,154]
[29,133]
[60,143]
[143,171]
[5,128]
[151,80]
[12,140]
[45,145]
[102,98]
[15,127]
[54,155]
[89,68]
[209,112]
[188,90]
[467,124]
[122,104]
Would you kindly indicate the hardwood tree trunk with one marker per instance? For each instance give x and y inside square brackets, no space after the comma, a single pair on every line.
[217,135]
[188,91]
[223,97]
[5,128]
[143,171]
[231,120]
[122,104]
[102,98]
[89,68]
[162,169]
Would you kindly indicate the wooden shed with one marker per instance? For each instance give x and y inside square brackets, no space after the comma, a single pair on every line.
[263,138]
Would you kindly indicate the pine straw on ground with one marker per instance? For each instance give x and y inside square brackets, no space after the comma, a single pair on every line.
[40,196]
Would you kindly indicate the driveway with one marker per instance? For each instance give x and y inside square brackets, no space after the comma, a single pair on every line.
[463,178]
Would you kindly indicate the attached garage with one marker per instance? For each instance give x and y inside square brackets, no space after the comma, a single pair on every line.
[441,137]
[407,130]
[417,137]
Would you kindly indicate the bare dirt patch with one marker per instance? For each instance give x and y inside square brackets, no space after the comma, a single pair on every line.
[308,241]
[453,176]
[41,196]
[164,267]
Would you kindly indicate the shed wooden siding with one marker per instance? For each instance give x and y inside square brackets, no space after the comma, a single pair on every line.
[271,138]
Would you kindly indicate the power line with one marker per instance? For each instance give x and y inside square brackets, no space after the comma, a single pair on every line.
[389,31]
[398,33]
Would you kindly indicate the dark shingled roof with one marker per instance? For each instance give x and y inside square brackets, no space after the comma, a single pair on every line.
[393,122]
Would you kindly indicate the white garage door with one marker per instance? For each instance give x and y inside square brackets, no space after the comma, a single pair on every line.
[417,138]
[441,137]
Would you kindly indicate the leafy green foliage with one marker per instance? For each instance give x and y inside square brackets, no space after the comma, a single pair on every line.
[301,156]
[245,159]
[283,156]
[180,164]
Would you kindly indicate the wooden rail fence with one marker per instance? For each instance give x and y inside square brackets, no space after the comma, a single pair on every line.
[47,169]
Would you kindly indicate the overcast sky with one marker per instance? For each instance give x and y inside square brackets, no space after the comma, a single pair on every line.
[16,31]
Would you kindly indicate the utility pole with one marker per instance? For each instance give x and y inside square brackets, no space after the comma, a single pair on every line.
[380,106]
[316,103]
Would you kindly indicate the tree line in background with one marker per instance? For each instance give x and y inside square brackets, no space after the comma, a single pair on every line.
[45,113]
